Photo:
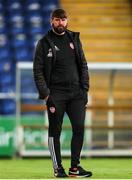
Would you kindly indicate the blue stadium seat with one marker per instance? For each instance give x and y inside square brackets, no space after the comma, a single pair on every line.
[14,7]
[34,18]
[6,66]
[22,54]
[19,40]
[36,30]
[3,28]
[3,40]
[5,54]
[17,24]
[35,22]
[4,47]
[14,29]
[7,78]
[16,18]
[34,39]
[33,6]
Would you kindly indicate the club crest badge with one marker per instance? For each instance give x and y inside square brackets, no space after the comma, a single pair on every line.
[71,45]
[50,54]
[52,109]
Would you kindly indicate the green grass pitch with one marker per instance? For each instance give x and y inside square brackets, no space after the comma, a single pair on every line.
[102,168]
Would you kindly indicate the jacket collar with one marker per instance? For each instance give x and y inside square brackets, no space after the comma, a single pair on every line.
[72,34]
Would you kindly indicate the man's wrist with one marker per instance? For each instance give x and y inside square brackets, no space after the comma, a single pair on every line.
[46,99]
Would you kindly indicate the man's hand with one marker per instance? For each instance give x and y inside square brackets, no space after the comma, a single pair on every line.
[46,98]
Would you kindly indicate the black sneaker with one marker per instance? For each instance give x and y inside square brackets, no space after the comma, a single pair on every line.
[60,172]
[79,172]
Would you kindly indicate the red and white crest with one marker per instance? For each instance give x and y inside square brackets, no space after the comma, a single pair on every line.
[52,109]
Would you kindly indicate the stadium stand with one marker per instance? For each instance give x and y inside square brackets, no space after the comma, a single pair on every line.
[105,28]
[22,24]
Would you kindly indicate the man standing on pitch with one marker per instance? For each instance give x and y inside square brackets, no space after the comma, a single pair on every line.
[61,77]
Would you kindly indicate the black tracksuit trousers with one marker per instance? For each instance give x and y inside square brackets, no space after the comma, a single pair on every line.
[72,101]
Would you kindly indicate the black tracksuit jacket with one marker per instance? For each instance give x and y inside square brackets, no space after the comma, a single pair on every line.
[43,64]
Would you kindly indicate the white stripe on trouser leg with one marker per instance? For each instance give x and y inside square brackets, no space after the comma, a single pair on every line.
[52,152]
[54,155]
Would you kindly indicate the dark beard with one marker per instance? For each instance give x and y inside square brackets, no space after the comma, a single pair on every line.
[59,29]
